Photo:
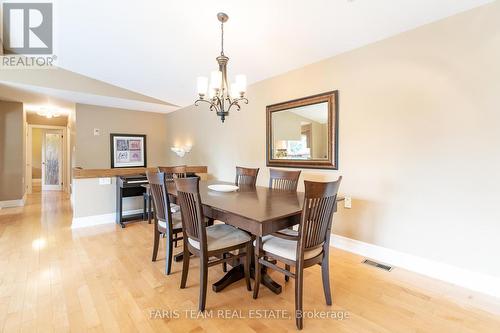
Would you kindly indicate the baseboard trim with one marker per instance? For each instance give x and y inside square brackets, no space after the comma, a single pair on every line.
[93,220]
[13,203]
[485,284]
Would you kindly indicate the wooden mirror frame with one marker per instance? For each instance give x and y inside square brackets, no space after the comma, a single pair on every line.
[333,112]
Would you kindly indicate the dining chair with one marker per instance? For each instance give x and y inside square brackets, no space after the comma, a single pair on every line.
[207,241]
[166,223]
[171,172]
[309,247]
[246,176]
[284,179]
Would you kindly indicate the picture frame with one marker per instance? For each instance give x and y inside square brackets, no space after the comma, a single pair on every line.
[331,161]
[128,150]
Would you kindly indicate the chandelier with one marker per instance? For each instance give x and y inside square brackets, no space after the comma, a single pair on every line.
[222,97]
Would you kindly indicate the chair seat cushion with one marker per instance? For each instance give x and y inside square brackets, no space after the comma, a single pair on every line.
[290,232]
[285,248]
[220,236]
[176,222]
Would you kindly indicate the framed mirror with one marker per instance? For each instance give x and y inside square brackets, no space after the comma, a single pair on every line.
[303,133]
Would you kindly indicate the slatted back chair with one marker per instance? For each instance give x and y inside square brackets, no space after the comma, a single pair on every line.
[310,246]
[174,171]
[160,196]
[165,222]
[193,220]
[246,176]
[222,241]
[284,180]
[317,214]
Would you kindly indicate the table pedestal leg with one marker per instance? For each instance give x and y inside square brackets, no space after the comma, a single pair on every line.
[237,273]
[271,284]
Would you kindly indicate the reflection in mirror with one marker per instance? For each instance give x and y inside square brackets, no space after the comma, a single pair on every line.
[300,133]
[303,133]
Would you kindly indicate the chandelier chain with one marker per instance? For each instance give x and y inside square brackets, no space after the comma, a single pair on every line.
[222,38]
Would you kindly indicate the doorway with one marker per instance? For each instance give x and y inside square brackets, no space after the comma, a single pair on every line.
[46,158]
[52,163]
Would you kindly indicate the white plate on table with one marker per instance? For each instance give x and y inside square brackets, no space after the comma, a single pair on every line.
[223,187]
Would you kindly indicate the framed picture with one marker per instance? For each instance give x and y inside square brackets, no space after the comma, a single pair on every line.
[128,150]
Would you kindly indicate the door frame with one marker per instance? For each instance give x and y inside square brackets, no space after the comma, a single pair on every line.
[66,171]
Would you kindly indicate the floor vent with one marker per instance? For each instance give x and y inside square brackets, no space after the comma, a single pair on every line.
[378,265]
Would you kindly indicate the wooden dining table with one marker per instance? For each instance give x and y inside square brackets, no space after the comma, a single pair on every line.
[255,209]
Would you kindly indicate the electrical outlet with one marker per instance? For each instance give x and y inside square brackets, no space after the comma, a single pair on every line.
[105,181]
[348,202]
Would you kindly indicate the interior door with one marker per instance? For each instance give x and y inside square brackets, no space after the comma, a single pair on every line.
[52,152]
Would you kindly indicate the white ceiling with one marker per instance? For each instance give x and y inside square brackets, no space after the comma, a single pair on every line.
[158,48]
[32,99]
[59,85]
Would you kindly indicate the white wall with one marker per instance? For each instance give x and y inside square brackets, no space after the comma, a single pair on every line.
[419,138]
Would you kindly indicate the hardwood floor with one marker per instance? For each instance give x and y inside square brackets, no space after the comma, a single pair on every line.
[101,279]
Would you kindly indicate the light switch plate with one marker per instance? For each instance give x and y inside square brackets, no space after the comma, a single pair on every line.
[97,132]
[105,181]
[348,202]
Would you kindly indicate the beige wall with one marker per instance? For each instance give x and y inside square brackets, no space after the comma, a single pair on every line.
[89,197]
[319,140]
[12,154]
[36,150]
[286,126]
[419,138]
[94,151]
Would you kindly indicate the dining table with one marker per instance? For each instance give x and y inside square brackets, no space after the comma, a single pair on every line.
[258,210]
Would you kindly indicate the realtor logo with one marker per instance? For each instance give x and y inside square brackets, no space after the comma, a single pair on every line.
[27,28]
